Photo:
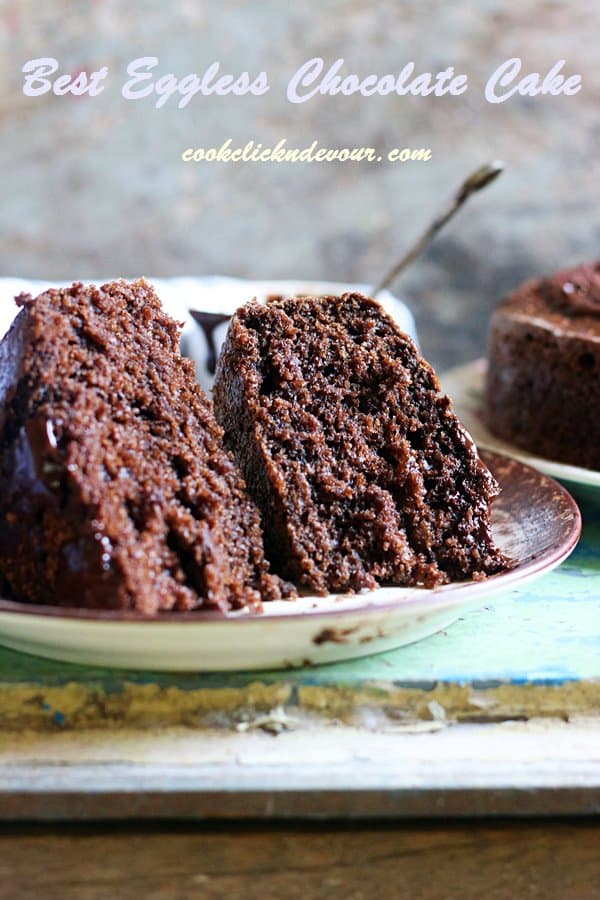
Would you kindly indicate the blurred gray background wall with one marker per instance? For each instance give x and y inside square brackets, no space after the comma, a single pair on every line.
[96,187]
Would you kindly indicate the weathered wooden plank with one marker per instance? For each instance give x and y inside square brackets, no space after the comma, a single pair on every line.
[543,767]
[429,862]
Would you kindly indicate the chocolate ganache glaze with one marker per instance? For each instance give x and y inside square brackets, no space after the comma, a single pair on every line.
[208,322]
[574,292]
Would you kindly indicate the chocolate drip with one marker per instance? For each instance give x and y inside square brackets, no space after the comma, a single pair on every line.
[208,323]
[33,454]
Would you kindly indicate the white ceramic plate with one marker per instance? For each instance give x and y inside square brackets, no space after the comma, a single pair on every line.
[536,523]
[465,386]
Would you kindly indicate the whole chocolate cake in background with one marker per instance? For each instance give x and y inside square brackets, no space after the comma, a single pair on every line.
[115,489]
[543,381]
[361,471]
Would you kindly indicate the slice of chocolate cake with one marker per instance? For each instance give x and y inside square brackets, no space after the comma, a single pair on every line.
[115,489]
[362,472]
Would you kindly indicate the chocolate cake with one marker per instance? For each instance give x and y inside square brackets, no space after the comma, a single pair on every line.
[543,381]
[361,471]
[115,489]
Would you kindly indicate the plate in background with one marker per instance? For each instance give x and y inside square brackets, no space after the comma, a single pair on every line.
[535,522]
[465,386]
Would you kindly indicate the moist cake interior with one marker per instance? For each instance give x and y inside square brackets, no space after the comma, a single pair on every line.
[115,489]
[361,470]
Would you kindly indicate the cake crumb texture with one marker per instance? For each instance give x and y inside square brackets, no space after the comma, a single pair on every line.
[115,489]
[360,468]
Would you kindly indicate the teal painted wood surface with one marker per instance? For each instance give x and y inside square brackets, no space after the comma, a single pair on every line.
[545,632]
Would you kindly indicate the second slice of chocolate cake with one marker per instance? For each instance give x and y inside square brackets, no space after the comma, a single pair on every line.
[360,468]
